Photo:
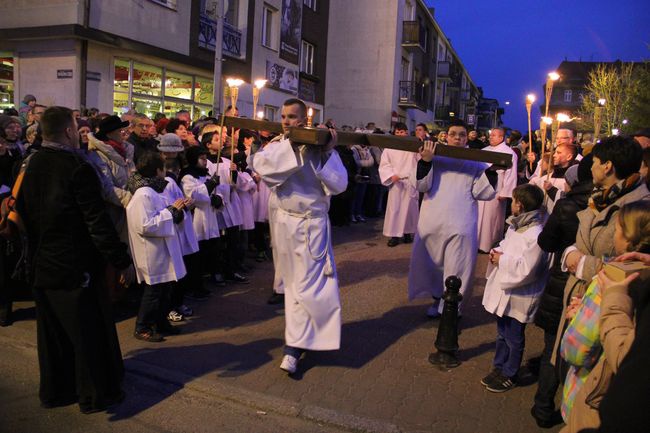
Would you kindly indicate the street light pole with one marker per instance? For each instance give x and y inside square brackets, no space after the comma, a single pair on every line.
[218,58]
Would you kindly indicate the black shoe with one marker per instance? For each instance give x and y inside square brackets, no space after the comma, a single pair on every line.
[148,335]
[5,317]
[237,278]
[260,257]
[543,422]
[276,298]
[408,238]
[501,383]
[392,242]
[219,280]
[490,377]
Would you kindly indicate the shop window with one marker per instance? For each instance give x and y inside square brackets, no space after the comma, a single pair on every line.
[147,79]
[203,90]
[178,85]
[6,82]
[146,106]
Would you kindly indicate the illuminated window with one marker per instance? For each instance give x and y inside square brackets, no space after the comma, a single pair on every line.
[307,58]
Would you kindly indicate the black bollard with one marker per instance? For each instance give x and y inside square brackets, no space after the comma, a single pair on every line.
[447,339]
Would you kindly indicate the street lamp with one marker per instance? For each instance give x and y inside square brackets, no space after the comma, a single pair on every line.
[598,112]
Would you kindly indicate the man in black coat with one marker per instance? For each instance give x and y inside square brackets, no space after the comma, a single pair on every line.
[71,237]
[559,232]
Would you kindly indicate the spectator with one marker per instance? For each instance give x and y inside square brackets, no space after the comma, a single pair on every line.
[13,131]
[140,136]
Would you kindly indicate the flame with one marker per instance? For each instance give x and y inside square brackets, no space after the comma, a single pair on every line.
[563,117]
[260,83]
[547,120]
[234,82]
[530,98]
[310,112]
[554,76]
[260,115]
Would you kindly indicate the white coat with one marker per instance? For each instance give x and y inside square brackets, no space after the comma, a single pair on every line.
[152,236]
[402,205]
[302,182]
[492,214]
[205,216]
[445,241]
[514,287]
[184,230]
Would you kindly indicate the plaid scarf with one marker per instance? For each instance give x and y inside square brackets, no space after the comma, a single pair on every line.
[137,181]
[601,198]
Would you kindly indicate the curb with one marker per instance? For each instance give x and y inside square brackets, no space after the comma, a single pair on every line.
[260,401]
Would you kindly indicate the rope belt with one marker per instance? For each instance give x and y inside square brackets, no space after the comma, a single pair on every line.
[329,269]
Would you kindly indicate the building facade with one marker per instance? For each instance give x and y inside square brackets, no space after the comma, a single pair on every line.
[389,61]
[158,55]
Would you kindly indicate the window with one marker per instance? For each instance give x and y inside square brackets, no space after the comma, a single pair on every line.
[307,58]
[405,69]
[153,89]
[270,112]
[568,95]
[232,14]
[268,27]
[6,81]
[311,4]
[171,4]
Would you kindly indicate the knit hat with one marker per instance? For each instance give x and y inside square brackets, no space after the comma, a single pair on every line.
[7,120]
[29,98]
[170,143]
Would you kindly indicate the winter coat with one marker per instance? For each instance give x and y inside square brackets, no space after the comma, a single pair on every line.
[559,232]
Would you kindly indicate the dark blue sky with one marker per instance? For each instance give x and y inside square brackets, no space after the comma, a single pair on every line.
[508,47]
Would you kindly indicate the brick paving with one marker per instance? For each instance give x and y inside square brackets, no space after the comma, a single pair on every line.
[381,371]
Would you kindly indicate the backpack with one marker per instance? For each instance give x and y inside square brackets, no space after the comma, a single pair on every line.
[12,227]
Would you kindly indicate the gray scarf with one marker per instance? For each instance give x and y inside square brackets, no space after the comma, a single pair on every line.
[524,220]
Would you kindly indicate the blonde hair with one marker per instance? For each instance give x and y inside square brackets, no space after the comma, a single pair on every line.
[634,219]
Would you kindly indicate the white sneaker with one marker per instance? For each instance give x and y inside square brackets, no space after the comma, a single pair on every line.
[432,312]
[174,316]
[289,364]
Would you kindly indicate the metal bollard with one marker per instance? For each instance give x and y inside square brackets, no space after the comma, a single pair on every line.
[447,338]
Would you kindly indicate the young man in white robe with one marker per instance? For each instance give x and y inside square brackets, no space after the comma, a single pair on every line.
[302,179]
[492,214]
[445,240]
[402,211]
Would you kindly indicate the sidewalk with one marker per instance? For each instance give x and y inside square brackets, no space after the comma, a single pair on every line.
[380,380]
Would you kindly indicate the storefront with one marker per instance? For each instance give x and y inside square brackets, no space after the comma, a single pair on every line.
[6,80]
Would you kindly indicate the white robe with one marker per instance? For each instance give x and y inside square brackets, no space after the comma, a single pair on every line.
[557,182]
[446,240]
[514,287]
[402,205]
[184,230]
[152,236]
[205,216]
[492,214]
[231,212]
[246,187]
[302,182]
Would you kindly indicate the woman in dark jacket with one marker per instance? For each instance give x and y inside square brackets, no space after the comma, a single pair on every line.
[559,232]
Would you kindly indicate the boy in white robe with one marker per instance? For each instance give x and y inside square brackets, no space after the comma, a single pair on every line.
[446,240]
[402,210]
[302,179]
[492,213]
[515,285]
[154,244]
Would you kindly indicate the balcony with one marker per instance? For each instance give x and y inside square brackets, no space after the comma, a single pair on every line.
[414,36]
[231,44]
[412,95]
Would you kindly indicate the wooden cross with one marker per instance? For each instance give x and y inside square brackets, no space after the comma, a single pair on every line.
[321,136]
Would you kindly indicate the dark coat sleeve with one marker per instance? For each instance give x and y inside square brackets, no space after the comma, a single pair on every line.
[560,229]
[88,195]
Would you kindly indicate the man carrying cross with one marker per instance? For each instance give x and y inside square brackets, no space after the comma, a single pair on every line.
[446,236]
[302,178]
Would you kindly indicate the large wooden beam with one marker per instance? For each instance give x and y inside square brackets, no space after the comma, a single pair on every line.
[321,136]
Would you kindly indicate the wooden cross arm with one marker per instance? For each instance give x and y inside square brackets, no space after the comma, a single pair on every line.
[321,136]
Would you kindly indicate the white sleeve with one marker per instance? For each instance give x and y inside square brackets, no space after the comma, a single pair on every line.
[276,162]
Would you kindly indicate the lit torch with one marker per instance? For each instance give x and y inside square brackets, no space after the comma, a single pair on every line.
[310,117]
[256,93]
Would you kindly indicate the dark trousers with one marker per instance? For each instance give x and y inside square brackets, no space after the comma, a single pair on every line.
[357,199]
[154,306]
[293,351]
[192,282]
[232,253]
[78,351]
[548,382]
[209,253]
[511,340]
[260,237]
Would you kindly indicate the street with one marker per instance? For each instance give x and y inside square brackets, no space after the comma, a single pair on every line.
[221,374]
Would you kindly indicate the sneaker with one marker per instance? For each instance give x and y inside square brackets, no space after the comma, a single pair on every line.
[175,316]
[148,335]
[361,219]
[432,311]
[276,298]
[237,278]
[543,422]
[185,311]
[353,219]
[289,364]
[219,280]
[392,242]
[501,383]
[490,377]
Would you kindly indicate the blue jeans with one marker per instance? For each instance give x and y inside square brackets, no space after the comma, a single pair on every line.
[357,200]
[511,340]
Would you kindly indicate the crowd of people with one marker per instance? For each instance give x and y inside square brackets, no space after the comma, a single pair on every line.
[171,203]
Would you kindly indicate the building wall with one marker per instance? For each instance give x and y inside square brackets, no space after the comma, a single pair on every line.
[144,21]
[363,64]
[36,13]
